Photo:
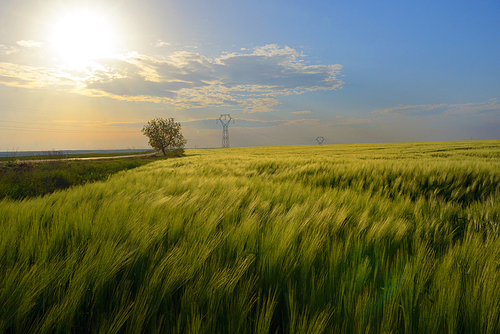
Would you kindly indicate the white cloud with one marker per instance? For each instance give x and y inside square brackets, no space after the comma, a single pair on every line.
[248,81]
[160,43]
[29,44]
[251,80]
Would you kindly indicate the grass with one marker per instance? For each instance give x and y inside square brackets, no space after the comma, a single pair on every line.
[386,238]
[24,179]
[53,155]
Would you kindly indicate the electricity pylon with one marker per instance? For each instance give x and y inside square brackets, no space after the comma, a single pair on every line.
[320,140]
[225,119]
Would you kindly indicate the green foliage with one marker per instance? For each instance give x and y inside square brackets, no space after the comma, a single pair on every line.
[165,135]
[321,239]
[19,180]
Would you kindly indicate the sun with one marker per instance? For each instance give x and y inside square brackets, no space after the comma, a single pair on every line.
[81,37]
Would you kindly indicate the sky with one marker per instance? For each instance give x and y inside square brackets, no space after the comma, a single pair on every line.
[90,74]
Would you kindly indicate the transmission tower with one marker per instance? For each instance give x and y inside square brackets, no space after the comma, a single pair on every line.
[225,119]
[320,140]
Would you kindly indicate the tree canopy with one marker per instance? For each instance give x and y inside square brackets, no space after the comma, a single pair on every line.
[165,135]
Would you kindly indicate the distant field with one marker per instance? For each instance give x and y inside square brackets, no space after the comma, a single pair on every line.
[22,156]
[380,238]
[22,179]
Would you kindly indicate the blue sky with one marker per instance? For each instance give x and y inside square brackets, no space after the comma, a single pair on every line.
[89,75]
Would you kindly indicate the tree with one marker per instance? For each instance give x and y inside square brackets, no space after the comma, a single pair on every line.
[165,135]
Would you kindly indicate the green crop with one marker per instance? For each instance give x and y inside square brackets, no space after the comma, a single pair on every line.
[385,238]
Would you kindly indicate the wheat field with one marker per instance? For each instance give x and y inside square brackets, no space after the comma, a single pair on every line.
[374,238]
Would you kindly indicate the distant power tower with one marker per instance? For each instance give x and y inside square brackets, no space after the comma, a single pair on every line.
[225,119]
[320,140]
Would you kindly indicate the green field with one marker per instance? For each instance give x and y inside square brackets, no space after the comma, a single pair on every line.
[53,155]
[380,238]
[20,179]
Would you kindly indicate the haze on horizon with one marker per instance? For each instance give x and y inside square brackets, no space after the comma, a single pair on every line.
[89,75]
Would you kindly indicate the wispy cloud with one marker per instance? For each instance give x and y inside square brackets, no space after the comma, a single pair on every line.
[7,50]
[308,121]
[161,43]
[354,121]
[33,77]
[489,110]
[210,123]
[29,44]
[441,109]
[264,104]
[250,80]
[260,123]
[303,112]
[491,106]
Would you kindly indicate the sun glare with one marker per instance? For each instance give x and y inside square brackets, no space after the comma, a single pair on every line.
[81,37]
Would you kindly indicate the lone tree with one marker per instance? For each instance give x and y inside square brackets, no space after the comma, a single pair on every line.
[165,136]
